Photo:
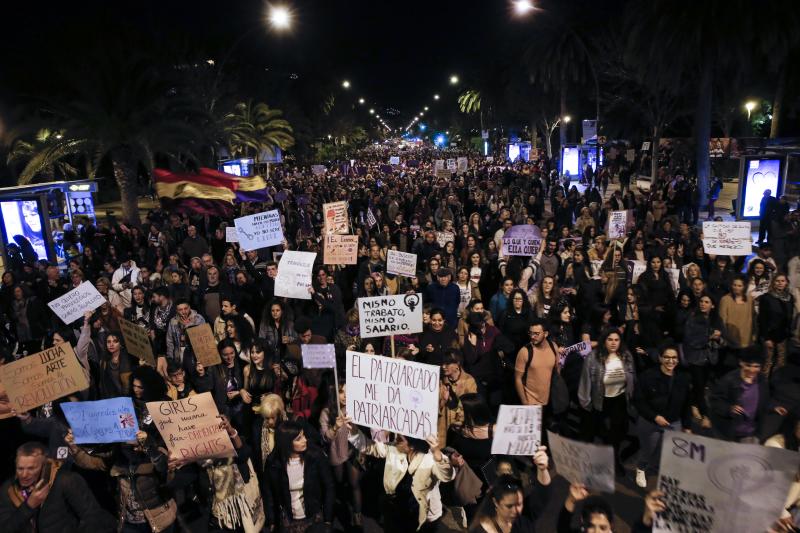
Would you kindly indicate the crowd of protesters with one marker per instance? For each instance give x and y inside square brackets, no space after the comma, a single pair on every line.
[695,343]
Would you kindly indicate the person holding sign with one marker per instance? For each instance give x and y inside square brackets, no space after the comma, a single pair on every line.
[507,509]
[412,473]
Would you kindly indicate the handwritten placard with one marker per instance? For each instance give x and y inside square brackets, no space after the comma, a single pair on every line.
[231,234]
[617,224]
[204,345]
[336,218]
[379,316]
[43,377]
[103,421]
[716,486]
[584,463]
[318,355]
[191,428]
[584,348]
[394,160]
[443,237]
[461,164]
[727,238]
[522,240]
[259,231]
[341,250]
[401,263]
[518,431]
[392,394]
[294,274]
[137,341]
[72,306]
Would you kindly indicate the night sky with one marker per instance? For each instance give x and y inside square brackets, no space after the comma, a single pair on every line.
[396,54]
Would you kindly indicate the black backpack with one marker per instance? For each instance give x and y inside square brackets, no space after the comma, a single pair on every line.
[559,394]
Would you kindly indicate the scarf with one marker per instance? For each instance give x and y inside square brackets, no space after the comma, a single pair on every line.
[236,503]
[18,496]
[782,296]
[267,442]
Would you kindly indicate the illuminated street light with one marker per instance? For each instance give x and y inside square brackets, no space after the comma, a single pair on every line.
[749,106]
[522,7]
[435,96]
[280,17]
[346,84]
[426,108]
[453,80]
[371,111]
[361,101]
[567,118]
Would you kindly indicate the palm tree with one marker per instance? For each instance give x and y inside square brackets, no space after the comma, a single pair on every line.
[24,150]
[470,102]
[252,128]
[121,112]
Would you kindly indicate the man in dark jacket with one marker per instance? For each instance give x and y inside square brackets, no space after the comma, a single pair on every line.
[662,400]
[741,400]
[70,505]
[445,295]
[767,212]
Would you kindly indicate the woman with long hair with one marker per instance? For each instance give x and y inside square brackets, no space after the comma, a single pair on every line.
[775,312]
[737,313]
[276,328]
[115,368]
[302,489]
[239,330]
[516,318]
[702,334]
[606,392]
[544,296]
[468,289]
[262,375]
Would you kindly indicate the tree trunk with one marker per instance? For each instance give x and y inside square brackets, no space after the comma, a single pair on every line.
[548,139]
[702,133]
[777,104]
[654,155]
[562,128]
[125,174]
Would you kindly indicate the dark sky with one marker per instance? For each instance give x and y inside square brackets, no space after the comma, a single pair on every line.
[396,54]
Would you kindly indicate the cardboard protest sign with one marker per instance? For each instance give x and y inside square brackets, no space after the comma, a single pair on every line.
[438,165]
[379,316]
[76,302]
[336,218]
[635,268]
[727,238]
[717,486]
[518,431]
[294,274]
[523,239]
[443,174]
[461,165]
[137,341]
[231,234]
[584,348]
[340,250]
[103,421]
[318,355]
[259,231]
[190,428]
[580,462]
[401,263]
[392,394]
[5,403]
[443,237]
[43,377]
[204,345]
[394,160]
[617,224]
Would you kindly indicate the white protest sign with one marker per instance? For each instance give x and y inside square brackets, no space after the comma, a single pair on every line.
[635,269]
[584,348]
[518,430]
[727,238]
[379,316]
[580,462]
[596,265]
[717,486]
[371,220]
[394,160]
[523,239]
[294,274]
[617,224]
[318,170]
[461,164]
[451,165]
[318,355]
[392,394]
[231,234]
[438,165]
[76,302]
[443,237]
[336,218]
[401,263]
[259,231]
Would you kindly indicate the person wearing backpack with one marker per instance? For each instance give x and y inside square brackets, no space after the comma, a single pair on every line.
[535,364]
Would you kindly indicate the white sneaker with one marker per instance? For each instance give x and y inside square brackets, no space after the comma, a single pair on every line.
[641,479]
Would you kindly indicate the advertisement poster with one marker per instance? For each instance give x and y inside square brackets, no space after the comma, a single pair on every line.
[21,218]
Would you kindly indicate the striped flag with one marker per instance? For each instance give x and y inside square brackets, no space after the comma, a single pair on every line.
[208,191]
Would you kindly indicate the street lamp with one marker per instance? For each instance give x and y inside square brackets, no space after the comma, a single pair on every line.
[361,101]
[435,96]
[426,108]
[567,118]
[345,84]
[749,106]
[371,111]
[280,17]
[453,80]
[522,7]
